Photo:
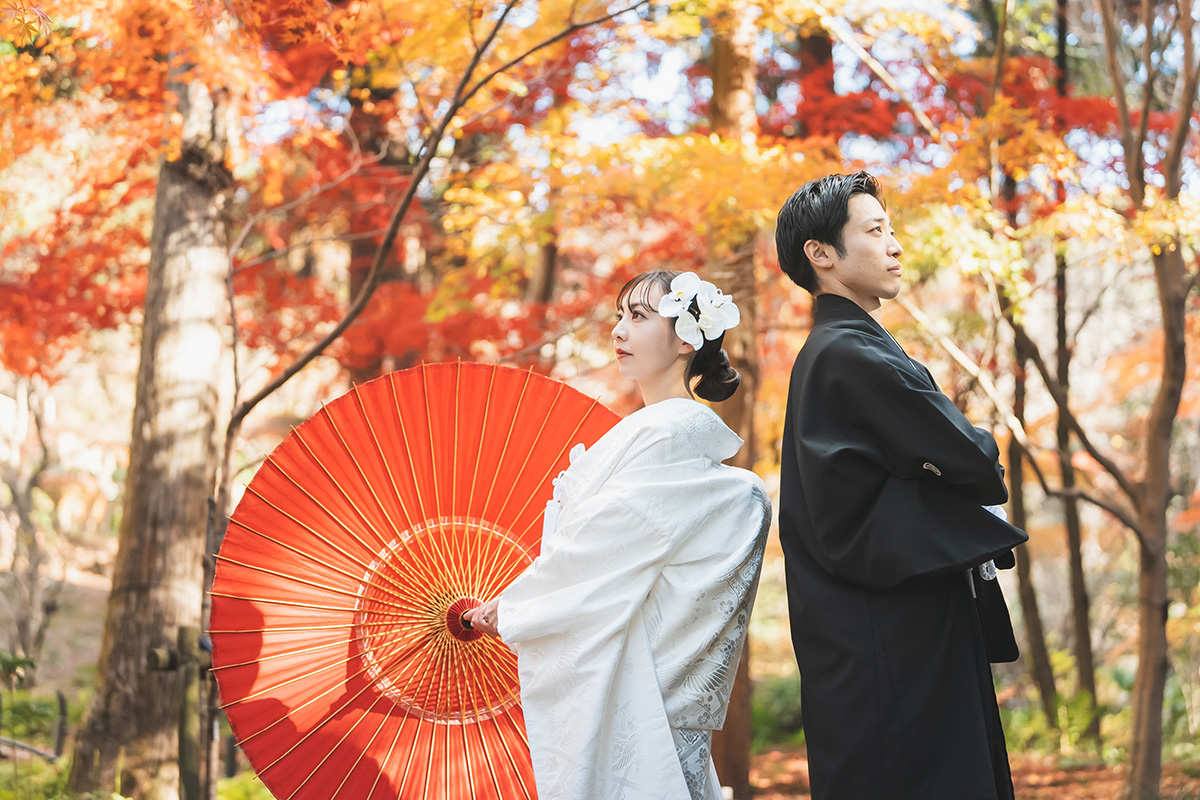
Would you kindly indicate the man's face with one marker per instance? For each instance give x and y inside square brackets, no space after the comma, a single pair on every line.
[870,269]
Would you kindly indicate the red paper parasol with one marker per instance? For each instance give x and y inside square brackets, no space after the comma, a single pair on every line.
[338,646]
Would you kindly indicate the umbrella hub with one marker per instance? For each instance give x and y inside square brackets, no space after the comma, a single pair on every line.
[408,632]
[454,619]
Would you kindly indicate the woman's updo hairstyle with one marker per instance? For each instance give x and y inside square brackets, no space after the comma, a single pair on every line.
[718,380]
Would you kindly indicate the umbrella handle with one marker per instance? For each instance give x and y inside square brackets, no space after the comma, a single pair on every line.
[466,623]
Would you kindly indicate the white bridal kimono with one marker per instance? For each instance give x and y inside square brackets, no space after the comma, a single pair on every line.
[629,625]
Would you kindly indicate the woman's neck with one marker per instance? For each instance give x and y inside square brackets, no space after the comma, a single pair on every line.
[668,387]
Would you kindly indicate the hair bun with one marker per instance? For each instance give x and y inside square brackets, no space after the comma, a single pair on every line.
[718,380]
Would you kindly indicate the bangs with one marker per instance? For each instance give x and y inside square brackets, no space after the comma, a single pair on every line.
[637,289]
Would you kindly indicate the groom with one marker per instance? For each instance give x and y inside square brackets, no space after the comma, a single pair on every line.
[890,551]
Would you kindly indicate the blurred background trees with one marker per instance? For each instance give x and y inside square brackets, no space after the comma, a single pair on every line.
[261,203]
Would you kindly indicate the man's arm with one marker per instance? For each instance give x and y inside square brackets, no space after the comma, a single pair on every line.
[919,431]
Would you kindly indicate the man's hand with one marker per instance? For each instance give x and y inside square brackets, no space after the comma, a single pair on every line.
[484,618]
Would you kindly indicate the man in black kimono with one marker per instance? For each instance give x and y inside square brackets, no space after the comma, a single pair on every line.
[890,550]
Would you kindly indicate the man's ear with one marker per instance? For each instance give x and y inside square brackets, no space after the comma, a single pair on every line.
[819,253]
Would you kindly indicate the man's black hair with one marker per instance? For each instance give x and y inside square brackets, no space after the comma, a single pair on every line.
[817,210]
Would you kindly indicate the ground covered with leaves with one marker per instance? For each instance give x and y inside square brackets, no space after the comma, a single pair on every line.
[782,774]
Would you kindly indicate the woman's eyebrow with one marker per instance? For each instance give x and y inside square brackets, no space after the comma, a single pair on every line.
[638,307]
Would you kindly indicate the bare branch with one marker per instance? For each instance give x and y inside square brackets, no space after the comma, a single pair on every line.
[1060,399]
[271,255]
[1096,304]
[424,113]
[28,748]
[1133,160]
[565,32]
[963,360]
[36,400]
[1014,425]
[830,23]
[1148,87]
[1191,82]
[1116,511]
[375,274]
[1001,52]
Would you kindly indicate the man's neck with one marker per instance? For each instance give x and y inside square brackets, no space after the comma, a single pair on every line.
[870,305]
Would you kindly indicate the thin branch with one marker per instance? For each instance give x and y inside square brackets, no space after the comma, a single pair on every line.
[1191,82]
[356,165]
[424,114]
[830,23]
[1111,45]
[552,337]
[376,272]
[1095,306]
[471,24]
[1148,90]
[565,32]
[34,401]
[1001,52]
[963,360]
[28,748]
[271,255]
[1060,399]
[1014,425]
[1116,511]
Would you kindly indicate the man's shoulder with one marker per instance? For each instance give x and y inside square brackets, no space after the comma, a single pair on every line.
[846,342]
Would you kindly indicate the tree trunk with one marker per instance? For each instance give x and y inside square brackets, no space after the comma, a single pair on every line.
[1080,603]
[133,721]
[541,283]
[32,604]
[1145,754]
[1035,633]
[816,68]
[734,90]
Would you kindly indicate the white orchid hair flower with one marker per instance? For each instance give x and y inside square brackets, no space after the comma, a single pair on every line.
[716,312]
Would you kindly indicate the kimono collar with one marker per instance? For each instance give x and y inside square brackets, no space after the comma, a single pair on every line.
[702,425]
[832,307]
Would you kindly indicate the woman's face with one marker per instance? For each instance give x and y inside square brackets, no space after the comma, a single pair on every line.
[644,340]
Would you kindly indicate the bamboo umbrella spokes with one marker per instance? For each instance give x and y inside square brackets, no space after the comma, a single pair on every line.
[339,647]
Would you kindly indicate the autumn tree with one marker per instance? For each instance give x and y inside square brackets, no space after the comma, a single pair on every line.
[1155,211]
[158,571]
[128,51]
[1154,141]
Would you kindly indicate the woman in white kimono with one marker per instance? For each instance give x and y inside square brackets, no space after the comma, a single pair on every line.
[629,625]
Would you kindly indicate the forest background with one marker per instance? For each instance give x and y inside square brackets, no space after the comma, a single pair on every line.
[217,214]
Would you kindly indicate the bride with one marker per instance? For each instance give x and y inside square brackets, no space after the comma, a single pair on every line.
[629,624]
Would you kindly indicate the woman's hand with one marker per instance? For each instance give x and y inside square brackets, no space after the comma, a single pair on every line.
[484,618]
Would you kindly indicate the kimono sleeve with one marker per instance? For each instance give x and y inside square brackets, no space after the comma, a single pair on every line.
[594,579]
[917,429]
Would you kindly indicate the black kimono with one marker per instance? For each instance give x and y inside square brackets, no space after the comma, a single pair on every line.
[883,528]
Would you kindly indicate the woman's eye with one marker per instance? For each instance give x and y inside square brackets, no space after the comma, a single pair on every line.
[637,315]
